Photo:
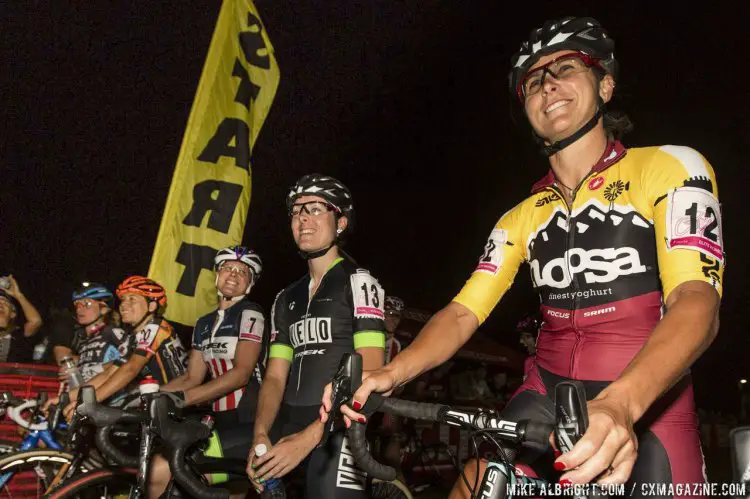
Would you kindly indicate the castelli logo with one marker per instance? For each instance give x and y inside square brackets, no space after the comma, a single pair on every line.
[595,183]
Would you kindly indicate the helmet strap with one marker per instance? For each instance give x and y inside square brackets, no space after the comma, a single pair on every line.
[145,319]
[551,149]
[312,255]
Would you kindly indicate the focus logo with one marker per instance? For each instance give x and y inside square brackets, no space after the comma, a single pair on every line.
[596,265]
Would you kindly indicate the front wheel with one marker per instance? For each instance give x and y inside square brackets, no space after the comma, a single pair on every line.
[115,482]
[30,473]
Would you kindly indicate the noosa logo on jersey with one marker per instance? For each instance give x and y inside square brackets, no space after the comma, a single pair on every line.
[596,265]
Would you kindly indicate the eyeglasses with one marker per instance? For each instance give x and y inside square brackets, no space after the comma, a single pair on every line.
[235,269]
[84,304]
[312,208]
[561,68]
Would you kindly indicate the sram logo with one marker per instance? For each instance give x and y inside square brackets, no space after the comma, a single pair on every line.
[596,265]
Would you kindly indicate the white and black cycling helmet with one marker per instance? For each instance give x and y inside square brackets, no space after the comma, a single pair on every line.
[394,303]
[333,191]
[239,254]
[580,34]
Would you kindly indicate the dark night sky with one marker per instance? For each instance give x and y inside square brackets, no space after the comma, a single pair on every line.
[407,105]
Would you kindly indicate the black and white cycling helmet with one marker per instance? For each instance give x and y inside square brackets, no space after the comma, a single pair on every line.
[239,254]
[326,187]
[582,34]
[394,303]
[332,191]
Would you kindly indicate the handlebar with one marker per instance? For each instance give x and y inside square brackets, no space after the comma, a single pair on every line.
[111,451]
[102,415]
[105,418]
[179,436]
[347,381]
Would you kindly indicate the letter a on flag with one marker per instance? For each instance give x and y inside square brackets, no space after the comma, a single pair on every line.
[210,193]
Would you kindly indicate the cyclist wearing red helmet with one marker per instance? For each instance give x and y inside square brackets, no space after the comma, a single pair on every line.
[625,251]
[157,351]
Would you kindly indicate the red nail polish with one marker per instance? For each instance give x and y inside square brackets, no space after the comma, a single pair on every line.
[357,406]
[557,453]
[565,482]
[362,420]
[559,466]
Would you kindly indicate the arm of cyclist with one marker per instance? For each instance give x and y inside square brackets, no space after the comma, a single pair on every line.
[685,332]
[96,382]
[245,357]
[111,381]
[33,318]
[293,449]
[445,333]
[194,375]
[269,402]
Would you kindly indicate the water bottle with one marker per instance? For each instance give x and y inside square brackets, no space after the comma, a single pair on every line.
[273,488]
[145,386]
[75,378]
[40,349]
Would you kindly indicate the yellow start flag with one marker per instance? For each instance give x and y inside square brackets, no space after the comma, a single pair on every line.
[210,193]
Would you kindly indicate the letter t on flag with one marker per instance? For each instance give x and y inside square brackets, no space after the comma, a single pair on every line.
[210,193]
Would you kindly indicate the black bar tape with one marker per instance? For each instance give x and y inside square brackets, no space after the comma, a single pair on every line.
[535,432]
[111,451]
[192,485]
[365,462]
[414,410]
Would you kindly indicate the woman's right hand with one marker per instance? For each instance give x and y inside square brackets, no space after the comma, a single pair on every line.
[378,381]
[259,439]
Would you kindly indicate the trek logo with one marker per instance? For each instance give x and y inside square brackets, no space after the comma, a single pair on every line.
[348,476]
[310,331]
[596,265]
[305,353]
[216,346]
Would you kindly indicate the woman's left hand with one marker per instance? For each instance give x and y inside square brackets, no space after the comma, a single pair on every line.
[607,451]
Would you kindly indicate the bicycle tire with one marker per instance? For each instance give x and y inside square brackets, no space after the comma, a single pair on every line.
[389,490]
[83,485]
[44,463]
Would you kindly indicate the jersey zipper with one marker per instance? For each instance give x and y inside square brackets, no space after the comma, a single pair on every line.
[570,243]
[310,296]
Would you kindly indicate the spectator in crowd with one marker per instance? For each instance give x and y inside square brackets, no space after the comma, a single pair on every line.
[394,308]
[16,344]
[528,327]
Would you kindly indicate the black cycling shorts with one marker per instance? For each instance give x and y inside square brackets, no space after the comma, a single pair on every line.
[330,471]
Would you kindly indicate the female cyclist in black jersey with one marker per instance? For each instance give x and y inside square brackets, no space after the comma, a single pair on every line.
[229,345]
[335,308]
[625,250]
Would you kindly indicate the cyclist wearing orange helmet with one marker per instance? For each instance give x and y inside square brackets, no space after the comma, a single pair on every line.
[157,352]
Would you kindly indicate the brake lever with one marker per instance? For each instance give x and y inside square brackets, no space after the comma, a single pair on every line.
[346,380]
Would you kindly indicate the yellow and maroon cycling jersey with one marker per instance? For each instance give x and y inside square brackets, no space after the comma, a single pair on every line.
[641,223]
